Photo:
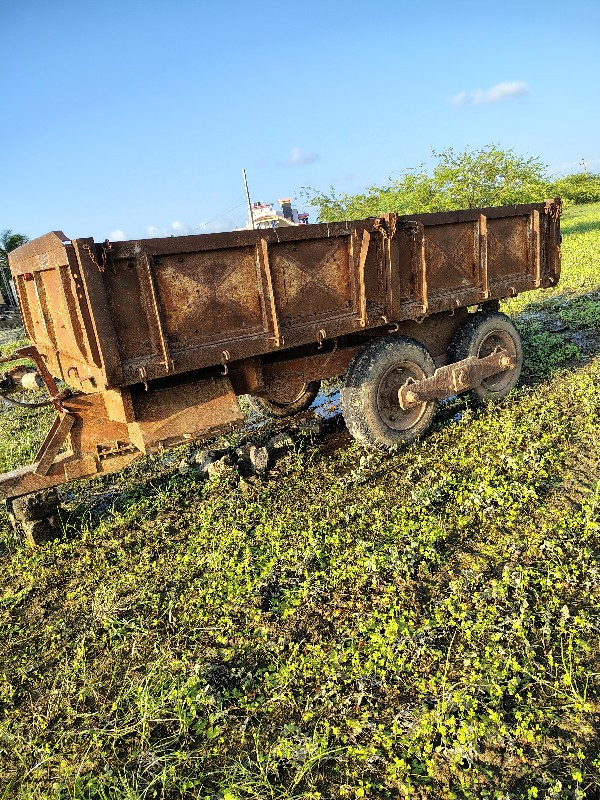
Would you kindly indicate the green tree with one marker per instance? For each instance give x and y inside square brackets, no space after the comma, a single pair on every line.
[8,241]
[467,179]
[487,177]
[412,192]
[580,187]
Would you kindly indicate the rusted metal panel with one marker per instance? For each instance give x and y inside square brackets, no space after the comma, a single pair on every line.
[312,281]
[127,312]
[206,296]
[56,311]
[450,258]
[186,411]
[92,430]
[36,268]
[508,251]
[91,290]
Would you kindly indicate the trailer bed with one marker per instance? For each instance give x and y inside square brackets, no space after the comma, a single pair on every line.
[156,339]
[120,313]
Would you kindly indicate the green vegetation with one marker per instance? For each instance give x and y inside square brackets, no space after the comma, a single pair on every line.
[423,624]
[580,187]
[470,179]
[9,241]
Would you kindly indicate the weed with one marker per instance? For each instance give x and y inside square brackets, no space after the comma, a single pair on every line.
[423,624]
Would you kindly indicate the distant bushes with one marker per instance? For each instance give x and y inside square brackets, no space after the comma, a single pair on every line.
[578,188]
[468,179]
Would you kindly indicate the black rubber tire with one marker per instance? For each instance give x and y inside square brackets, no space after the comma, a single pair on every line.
[370,391]
[271,408]
[479,336]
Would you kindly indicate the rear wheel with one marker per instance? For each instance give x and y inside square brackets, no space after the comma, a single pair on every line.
[482,334]
[286,397]
[370,393]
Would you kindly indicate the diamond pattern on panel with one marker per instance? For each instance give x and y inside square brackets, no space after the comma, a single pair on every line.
[507,250]
[452,267]
[209,294]
[435,258]
[320,282]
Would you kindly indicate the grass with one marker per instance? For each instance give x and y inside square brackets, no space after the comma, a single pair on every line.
[424,624]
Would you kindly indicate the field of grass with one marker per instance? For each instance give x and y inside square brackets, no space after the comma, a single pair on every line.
[423,624]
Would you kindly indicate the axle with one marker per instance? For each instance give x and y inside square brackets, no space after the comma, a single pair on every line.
[454,379]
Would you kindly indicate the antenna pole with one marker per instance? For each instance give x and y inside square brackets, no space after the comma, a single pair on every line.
[250,213]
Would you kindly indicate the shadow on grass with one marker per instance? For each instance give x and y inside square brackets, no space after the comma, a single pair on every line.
[576,225]
[107,498]
[559,332]
[149,477]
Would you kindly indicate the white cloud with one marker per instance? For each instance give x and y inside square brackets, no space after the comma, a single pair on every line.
[500,91]
[117,236]
[461,99]
[178,228]
[300,157]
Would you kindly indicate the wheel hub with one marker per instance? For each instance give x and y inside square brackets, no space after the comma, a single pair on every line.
[285,391]
[497,340]
[387,396]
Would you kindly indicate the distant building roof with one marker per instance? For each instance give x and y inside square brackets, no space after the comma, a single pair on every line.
[265,216]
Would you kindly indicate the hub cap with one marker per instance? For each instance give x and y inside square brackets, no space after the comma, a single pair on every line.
[387,396]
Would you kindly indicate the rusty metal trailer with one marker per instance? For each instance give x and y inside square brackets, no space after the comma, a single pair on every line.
[154,340]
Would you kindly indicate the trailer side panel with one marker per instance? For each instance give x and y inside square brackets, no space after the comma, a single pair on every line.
[124,313]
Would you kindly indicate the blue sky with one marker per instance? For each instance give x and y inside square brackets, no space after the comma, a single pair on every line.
[137,117]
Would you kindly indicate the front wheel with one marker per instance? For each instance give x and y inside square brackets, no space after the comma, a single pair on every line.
[370,393]
[481,335]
